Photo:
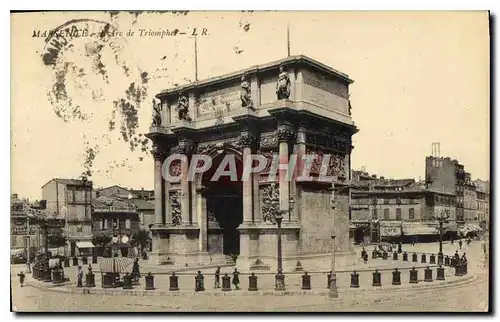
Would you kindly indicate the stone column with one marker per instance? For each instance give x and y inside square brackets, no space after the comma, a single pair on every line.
[201,211]
[158,155]
[285,134]
[300,151]
[167,216]
[247,139]
[257,216]
[185,148]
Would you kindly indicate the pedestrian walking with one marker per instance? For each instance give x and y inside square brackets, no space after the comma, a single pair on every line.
[136,274]
[21,278]
[236,279]
[199,282]
[468,241]
[460,244]
[79,276]
[217,278]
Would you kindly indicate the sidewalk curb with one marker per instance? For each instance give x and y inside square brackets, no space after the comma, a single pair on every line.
[421,285]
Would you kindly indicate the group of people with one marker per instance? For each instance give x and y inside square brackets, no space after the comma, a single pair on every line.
[235,281]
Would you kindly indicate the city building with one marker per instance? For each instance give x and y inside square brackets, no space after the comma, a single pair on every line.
[397,209]
[142,199]
[483,203]
[294,104]
[20,216]
[116,218]
[71,200]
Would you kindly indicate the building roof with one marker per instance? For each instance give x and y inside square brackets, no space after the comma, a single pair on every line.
[142,204]
[76,182]
[257,68]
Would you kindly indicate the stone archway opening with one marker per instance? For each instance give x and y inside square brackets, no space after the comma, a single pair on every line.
[224,201]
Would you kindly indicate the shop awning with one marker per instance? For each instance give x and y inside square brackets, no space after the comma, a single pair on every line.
[84,244]
[420,230]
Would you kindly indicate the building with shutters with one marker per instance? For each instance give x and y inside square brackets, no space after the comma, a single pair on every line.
[116,218]
[71,200]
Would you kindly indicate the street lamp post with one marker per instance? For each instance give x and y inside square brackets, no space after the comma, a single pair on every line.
[279,218]
[333,277]
[442,219]
[28,246]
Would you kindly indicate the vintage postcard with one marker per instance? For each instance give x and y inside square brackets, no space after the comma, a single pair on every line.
[250,161]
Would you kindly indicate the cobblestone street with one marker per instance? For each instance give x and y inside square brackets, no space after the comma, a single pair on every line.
[471,296]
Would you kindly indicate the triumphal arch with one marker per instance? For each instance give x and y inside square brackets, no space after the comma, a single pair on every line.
[295,106]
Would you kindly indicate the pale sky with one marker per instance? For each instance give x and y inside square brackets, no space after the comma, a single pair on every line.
[420,77]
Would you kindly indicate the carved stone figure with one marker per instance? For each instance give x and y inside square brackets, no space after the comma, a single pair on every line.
[157,108]
[183,108]
[176,209]
[283,85]
[245,94]
[270,205]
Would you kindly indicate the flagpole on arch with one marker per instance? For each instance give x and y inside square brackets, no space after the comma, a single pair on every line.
[288,39]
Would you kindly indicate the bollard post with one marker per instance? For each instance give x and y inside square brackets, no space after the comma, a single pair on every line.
[94,259]
[384,255]
[252,283]
[75,261]
[174,282]
[427,274]
[107,280]
[396,277]
[400,248]
[226,283]
[150,281]
[198,282]
[47,276]
[414,258]
[413,276]
[405,257]
[90,280]
[66,261]
[453,261]
[447,261]
[377,281]
[374,254]
[306,281]
[424,259]
[365,259]
[85,260]
[354,279]
[127,282]
[328,279]
[432,259]
[280,281]
[395,256]
[440,273]
[57,276]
